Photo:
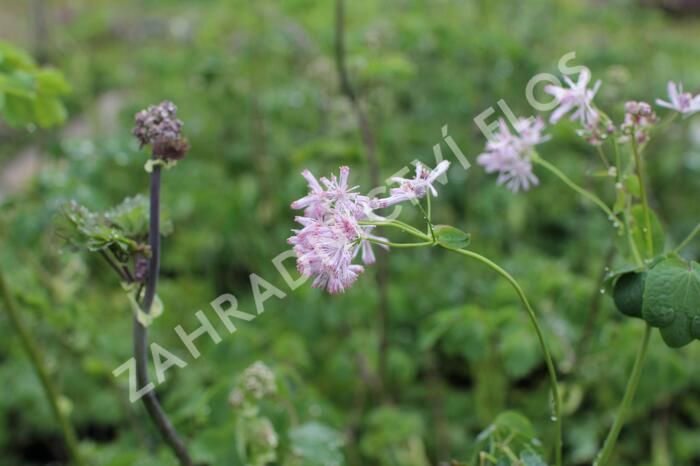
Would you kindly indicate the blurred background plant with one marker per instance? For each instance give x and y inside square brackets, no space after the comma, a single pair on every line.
[256,84]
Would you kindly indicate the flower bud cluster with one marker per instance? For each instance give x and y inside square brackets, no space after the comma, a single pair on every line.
[158,127]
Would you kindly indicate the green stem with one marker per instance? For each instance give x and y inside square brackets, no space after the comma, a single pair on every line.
[583,192]
[643,191]
[625,213]
[603,158]
[42,372]
[688,239]
[397,224]
[400,245]
[633,246]
[426,216]
[554,385]
[427,195]
[632,383]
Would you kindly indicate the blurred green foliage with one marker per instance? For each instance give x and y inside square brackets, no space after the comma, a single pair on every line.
[29,94]
[256,86]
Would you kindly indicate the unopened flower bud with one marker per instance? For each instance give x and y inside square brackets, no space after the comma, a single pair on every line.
[158,126]
[140,268]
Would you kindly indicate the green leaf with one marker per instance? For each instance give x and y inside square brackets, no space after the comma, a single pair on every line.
[515,423]
[18,83]
[131,217]
[49,111]
[530,458]
[451,237]
[513,432]
[628,293]
[612,276]
[12,58]
[317,444]
[51,83]
[672,300]
[18,111]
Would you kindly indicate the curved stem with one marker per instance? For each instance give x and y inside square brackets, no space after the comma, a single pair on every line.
[112,263]
[400,245]
[36,358]
[583,192]
[632,383]
[397,224]
[554,385]
[643,191]
[688,239]
[141,333]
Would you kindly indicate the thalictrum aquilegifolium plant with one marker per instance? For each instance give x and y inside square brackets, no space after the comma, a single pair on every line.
[338,229]
[652,283]
[128,238]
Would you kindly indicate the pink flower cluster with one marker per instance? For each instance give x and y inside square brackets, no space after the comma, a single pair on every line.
[639,118]
[332,234]
[510,154]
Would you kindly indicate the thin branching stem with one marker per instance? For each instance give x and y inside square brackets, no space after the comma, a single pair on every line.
[625,213]
[549,362]
[632,383]
[400,245]
[397,224]
[583,192]
[113,264]
[643,192]
[37,360]
[150,400]
[554,384]
[688,239]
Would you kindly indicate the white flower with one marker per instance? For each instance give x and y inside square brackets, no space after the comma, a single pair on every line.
[577,98]
[416,187]
[682,102]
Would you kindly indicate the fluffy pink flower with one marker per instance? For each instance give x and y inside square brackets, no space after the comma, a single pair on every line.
[576,97]
[316,202]
[325,249]
[509,154]
[332,236]
[518,176]
[417,187]
[530,132]
[682,102]
[337,195]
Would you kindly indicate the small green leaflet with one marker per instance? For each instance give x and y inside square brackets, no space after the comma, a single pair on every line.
[451,237]
[317,444]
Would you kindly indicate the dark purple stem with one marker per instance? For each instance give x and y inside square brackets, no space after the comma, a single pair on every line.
[153,407]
